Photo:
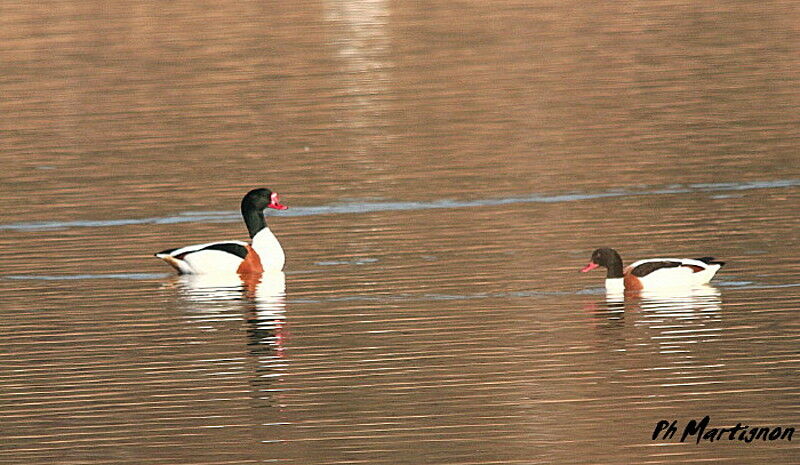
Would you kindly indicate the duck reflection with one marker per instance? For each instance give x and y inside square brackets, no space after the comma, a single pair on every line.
[266,335]
[215,302]
[614,305]
[678,318]
[212,294]
[203,289]
[673,321]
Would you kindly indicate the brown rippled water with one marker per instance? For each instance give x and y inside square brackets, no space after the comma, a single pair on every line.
[449,167]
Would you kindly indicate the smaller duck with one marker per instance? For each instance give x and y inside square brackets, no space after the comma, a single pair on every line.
[652,273]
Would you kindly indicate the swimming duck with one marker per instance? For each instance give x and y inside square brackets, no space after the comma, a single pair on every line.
[263,254]
[653,272]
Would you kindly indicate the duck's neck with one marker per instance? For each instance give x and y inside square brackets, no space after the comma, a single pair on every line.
[253,218]
[614,267]
[269,250]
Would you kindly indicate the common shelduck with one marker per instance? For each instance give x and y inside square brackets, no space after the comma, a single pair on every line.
[653,273]
[264,254]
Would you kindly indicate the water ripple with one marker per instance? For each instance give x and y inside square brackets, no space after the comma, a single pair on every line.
[77,277]
[369,207]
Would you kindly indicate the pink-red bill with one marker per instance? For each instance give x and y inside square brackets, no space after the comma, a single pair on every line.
[275,202]
[589,267]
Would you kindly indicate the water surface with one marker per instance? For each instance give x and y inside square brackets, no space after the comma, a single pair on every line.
[449,168]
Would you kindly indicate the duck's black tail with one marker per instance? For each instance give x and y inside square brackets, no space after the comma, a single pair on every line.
[165,252]
[710,261]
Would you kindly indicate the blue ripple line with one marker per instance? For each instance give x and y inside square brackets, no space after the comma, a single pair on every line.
[369,207]
[73,277]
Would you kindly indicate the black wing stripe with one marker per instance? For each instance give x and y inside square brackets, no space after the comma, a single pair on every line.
[646,268]
[229,247]
[709,261]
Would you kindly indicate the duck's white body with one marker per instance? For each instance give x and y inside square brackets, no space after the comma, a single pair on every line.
[210,258]
[689,273]
[228,257]
[199,259]
[615,285]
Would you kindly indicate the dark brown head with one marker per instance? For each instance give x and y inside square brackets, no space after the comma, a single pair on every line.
[608,258]
[254,203]
[262,198]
